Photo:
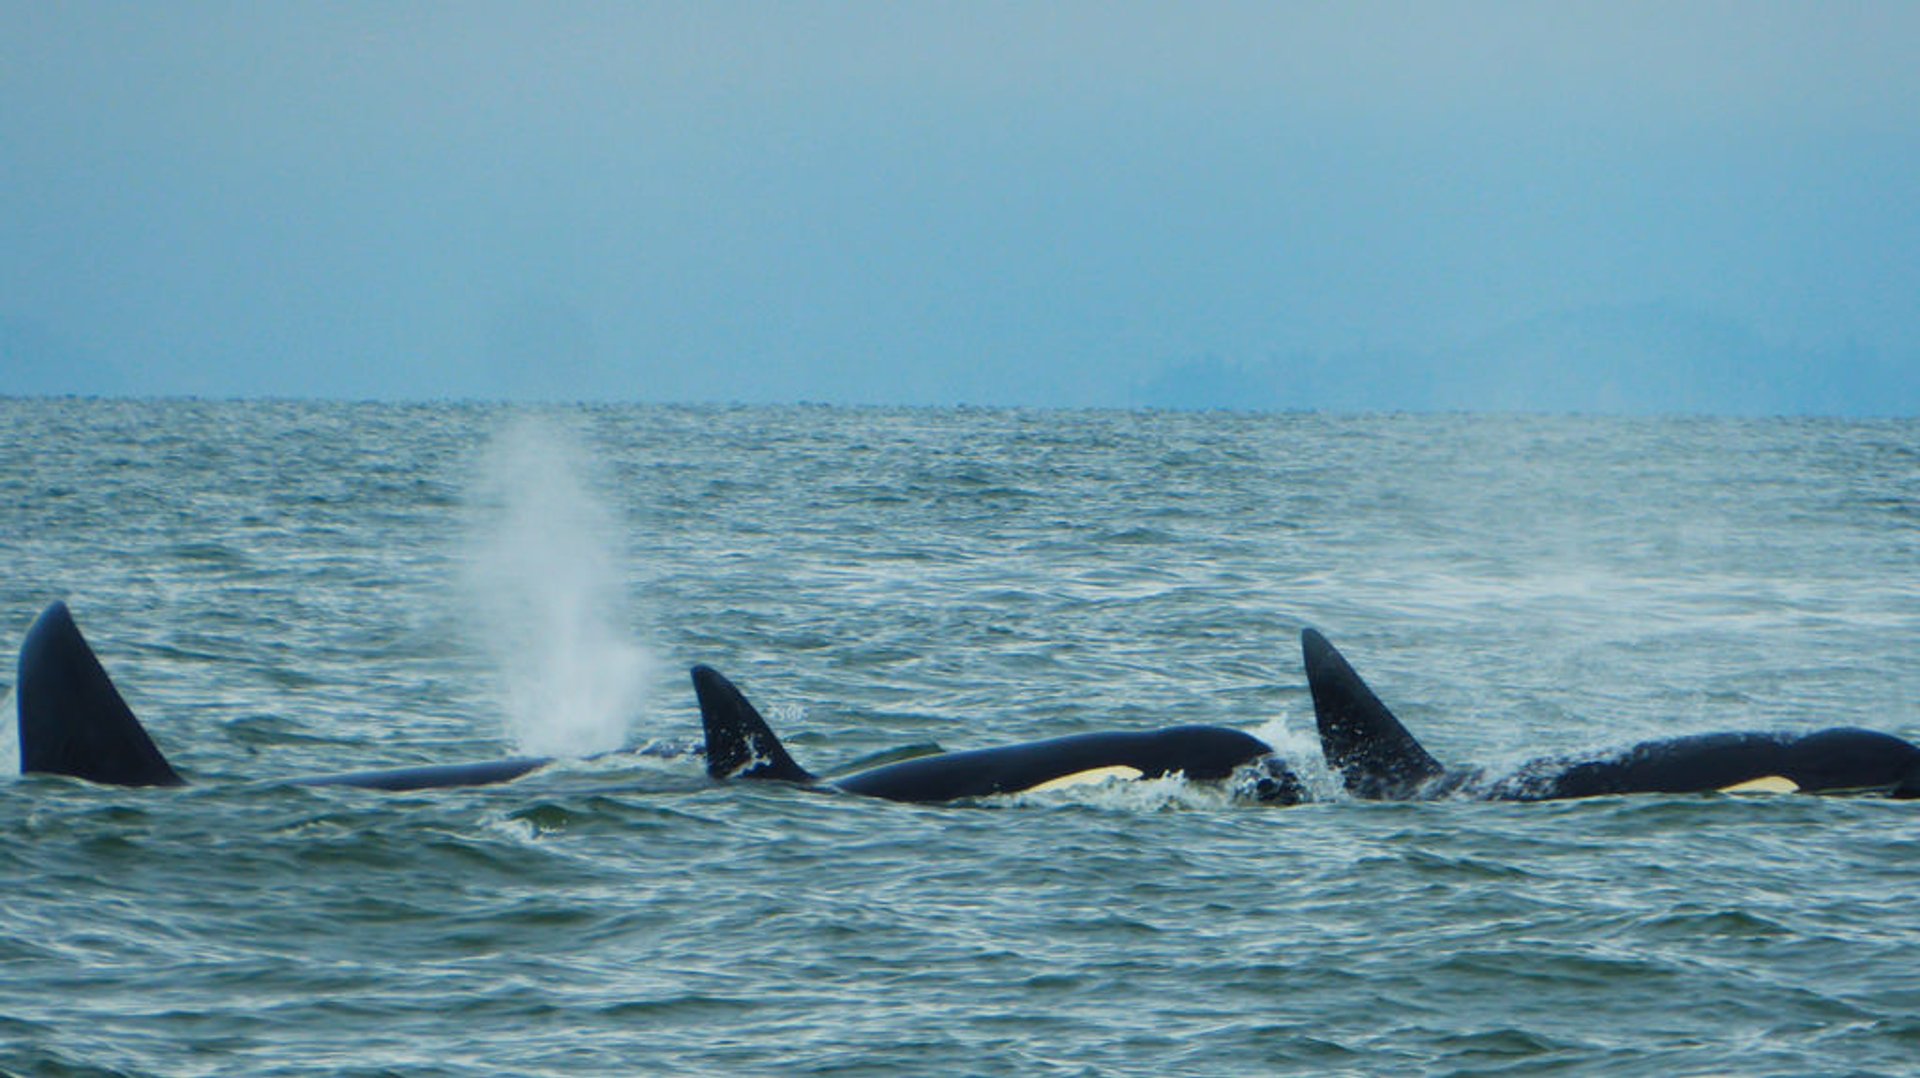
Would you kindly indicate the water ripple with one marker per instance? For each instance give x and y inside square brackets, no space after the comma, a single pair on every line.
[275,586]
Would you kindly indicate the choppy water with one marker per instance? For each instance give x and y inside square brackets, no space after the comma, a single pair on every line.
[289,588]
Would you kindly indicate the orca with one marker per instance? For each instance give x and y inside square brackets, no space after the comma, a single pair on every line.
[740,745]
[1377,759]
[72,721]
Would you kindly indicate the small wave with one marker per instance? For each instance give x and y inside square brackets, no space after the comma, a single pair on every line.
[211,555]
[9,735]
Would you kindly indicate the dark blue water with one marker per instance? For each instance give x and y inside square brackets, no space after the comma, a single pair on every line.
[282,589]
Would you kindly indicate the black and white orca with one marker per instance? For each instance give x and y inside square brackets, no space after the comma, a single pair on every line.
[1377,759]
[740,745]
[73,721]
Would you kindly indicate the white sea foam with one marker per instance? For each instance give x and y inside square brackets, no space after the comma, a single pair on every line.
[548,599]
[9,738]
[1300,748]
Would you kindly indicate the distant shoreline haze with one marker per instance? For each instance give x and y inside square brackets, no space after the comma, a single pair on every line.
[1694,207]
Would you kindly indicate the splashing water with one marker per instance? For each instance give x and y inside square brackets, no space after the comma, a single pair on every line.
[1300,748]
[547,596]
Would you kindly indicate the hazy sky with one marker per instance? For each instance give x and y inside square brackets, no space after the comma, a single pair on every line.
[1614,206]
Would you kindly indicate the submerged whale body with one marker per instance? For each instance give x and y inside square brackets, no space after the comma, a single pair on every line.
[740,745]
[1377,759]
[73,721]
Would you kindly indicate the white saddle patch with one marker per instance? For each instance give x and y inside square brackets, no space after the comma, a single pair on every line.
[1765,784]
[1083,778]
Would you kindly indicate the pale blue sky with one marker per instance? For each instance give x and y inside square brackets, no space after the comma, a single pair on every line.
[1609,206]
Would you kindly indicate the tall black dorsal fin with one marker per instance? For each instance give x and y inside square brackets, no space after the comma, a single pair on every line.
[1376,757]
[740,745]
[72,719]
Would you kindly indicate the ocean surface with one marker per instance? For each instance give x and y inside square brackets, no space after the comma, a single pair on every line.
[283,589]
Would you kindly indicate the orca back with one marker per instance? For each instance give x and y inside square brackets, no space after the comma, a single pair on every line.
[1374,755]
[1845,758]
[1828,761]
[434,776]
[72,718]
[1201,753]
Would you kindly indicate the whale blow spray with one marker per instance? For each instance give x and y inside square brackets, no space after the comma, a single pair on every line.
[547,596]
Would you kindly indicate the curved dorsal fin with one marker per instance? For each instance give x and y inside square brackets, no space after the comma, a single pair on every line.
[1376,757]
[72,719]
[739,742]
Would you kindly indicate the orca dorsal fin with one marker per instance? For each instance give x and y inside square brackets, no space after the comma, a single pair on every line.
[1376,757]
[72,719]
[740,744]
